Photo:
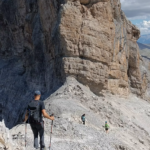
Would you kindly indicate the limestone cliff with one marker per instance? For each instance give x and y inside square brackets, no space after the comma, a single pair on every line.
[42,42]
[100,48]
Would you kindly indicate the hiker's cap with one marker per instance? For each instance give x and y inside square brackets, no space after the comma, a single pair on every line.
[105,121]
[37,93]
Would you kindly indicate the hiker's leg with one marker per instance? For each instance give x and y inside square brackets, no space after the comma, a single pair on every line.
[35,133]
[84,122]
[41,133]
[106,130]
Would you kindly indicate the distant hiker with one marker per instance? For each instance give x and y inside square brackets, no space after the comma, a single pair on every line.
[34,115]
[106,127]
[83,118]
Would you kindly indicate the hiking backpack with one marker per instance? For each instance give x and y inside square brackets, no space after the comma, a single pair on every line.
[83,118]
[34,111]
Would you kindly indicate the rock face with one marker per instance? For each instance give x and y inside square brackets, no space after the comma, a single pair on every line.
[101,47]
[146,69]
[29,54]
[43,42]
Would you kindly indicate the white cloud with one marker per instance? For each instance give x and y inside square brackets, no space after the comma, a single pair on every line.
[137,10]
[144,27]
[146,24]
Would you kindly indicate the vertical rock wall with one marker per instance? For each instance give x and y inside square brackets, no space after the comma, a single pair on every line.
[87,36]
[30,56]
[100,47]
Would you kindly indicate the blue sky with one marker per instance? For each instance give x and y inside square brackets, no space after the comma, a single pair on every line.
[138,12]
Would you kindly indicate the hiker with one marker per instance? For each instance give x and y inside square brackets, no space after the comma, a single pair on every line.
[83,118]
[34,115]
[106,127]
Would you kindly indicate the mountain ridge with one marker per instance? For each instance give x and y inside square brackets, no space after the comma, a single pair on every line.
[144,39]
[143,46]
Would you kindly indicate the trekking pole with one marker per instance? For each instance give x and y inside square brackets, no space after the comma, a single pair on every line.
[25,135]
[51,133]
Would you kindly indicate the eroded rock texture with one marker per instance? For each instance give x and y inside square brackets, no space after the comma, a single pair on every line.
[42,42]
[100,47]
[29,53]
